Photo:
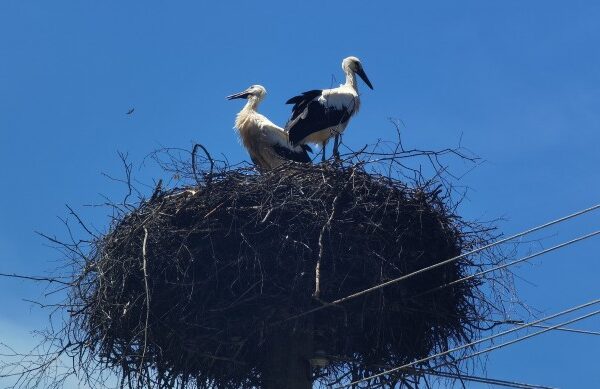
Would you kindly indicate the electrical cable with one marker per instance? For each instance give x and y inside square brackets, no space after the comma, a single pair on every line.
[408,365]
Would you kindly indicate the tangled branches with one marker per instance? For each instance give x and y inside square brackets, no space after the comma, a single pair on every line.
[195,286]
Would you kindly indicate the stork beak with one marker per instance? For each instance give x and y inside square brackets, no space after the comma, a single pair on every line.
[364,77]
[241,95]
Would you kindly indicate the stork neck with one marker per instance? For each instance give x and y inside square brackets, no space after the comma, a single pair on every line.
[252,103]
[351,79]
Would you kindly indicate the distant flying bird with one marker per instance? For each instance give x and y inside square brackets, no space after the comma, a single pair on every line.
[130,111]
[267,143]
[321,114]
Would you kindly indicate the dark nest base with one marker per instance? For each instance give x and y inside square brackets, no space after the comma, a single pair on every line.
[196,285]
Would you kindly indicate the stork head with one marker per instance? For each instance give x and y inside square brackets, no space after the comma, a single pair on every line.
[255,92]
[352,64]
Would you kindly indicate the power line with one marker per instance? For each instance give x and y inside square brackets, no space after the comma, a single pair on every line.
[484,380]
[550,328]
[569,330]
[574,330]
[516,261]
[440,354]
[482,351]
[473,378]
[447,261]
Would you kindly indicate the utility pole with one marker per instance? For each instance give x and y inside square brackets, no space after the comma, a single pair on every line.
[287,364]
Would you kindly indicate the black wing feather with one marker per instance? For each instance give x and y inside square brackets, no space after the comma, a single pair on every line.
[301,101]
[314,117]
[293,155]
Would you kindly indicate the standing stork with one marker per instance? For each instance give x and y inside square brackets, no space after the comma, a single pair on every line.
[321,114]
[267,144]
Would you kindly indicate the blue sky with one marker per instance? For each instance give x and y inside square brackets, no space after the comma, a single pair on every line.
[518,80]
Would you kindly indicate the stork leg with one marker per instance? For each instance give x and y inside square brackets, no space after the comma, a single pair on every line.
[323,146]
[336,144]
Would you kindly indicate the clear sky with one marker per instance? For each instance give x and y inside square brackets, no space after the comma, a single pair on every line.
[518,80]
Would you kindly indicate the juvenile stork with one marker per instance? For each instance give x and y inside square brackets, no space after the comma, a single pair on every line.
[267,144]
[321,114]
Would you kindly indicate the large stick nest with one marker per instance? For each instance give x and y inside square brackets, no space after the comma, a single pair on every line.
[193,285]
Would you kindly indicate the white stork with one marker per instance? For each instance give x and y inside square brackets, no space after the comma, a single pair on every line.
[321,114]
[267,144]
